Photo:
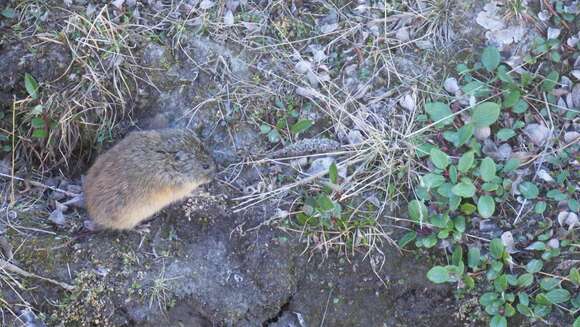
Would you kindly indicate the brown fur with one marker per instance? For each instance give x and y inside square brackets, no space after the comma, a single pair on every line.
[142,174]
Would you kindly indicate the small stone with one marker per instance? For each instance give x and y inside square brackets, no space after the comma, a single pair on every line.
[482,133]
[570,137]
[575,96]
[553,33]
[320,165]
[57,217]
[554,243]
[354,136]
[229,18]
[118,4]
[538,134]
[507,240]
[403,34]
[545,176]
[544,15]
[450,85]
[407,102]
[206,4]
[567,218]
[303,66]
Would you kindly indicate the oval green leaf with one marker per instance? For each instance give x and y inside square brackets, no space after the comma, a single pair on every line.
[487,169]
[466,161]
[464,189]
[417,210]
[485,114]
[439,158]
[438,275]
[439,111]
[486,206]
[490,58]
[529,190]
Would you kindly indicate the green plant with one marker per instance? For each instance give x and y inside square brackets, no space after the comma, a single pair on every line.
[464,183]
[287,124]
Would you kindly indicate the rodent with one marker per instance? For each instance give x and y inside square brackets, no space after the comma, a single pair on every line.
[143,173]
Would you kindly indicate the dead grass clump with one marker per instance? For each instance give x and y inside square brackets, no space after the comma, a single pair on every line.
[80,108]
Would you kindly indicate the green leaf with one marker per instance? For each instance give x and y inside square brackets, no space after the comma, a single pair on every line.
[485,114]
[556,195]
[40,133]
[503,75]
[524,310]
[453,174]
[496,248]
[558,295]
[534,266]
[525,280]
[468,281]
[487,169]
[454,202]
[540,207]
[273,136]
[324,203]
[542,310]
[407,238]
[438,111]
[37,122]
[520,107]
[445,190]
[509,310]
[523,297]
[440,220]
[432,180]
[510,98]
[510,165]
[468,208]
[457,256]
[301,126]
[473,258]
[576,322]
[333,173]
[500,283]
[9,12]
[466,161]
[438,275]
[550,81]
[489,187]
[37,110]
[459,223]
[505,134]
[265,129]
[498,321]
[486,206]
[574,276]
[538,246]
[417,210]
[549,283]
[476,89]
[529,190]
[439,158]
[488,298]
[31,86]
[490,58]
[464,134]
[464,189]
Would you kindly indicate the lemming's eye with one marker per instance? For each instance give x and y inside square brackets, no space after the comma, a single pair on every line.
[205,166]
